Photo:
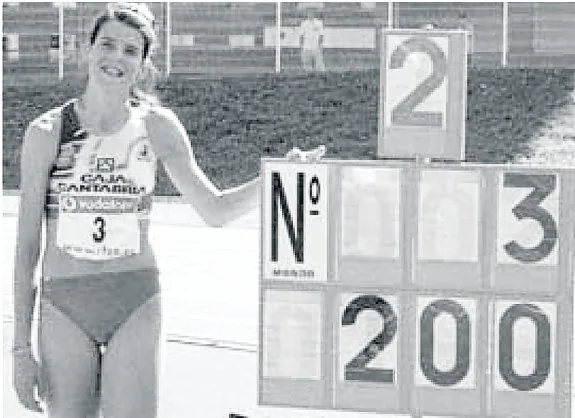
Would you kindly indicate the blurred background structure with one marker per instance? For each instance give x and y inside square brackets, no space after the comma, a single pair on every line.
[42,40]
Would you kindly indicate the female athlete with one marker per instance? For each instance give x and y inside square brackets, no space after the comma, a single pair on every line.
[88,168]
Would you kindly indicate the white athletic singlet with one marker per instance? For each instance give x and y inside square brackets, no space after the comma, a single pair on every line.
[101,186]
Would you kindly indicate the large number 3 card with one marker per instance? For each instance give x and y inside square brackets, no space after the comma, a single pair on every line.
[529,239]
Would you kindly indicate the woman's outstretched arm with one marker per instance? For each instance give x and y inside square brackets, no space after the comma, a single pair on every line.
[217,207]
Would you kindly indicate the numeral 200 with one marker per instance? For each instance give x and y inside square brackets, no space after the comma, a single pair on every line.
[357,369]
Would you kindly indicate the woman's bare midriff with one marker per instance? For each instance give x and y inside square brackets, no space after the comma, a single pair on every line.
[57,263]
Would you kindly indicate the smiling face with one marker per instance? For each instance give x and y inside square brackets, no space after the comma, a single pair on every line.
[116,56]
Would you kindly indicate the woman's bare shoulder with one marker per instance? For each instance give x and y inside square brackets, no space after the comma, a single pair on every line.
[43,132]
[166,132]
[162,117]
[49,122]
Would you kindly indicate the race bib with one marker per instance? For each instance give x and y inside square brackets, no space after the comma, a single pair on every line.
[98,227]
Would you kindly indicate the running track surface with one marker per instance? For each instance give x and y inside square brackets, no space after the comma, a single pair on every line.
[210,288]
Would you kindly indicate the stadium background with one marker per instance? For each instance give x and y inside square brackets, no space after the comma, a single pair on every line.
[520,80]
[238,38]
[520,111]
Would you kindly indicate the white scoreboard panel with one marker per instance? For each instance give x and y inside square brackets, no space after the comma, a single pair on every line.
[429,289]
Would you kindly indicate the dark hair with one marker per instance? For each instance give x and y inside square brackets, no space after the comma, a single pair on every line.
[139,17]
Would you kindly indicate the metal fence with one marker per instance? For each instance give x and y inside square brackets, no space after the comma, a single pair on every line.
[243,38]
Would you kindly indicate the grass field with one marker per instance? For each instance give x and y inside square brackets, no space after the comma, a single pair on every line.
[513,115]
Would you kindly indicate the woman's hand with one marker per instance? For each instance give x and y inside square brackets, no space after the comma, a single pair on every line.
[311,156]
[26,375]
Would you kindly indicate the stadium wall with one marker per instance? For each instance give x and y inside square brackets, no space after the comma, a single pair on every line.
[239,38]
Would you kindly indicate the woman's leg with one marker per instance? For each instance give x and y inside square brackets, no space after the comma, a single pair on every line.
[130,365]
[70,363]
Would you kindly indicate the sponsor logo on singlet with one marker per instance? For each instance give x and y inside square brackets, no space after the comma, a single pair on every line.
[105,165]
[100,196]
[101,183]
[98,204]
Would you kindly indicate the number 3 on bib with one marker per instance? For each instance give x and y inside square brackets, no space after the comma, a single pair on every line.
[98,227]
[100,233]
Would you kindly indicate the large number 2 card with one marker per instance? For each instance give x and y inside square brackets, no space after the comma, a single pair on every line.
[367,354]
[422,94]
[423,64]
[368,340]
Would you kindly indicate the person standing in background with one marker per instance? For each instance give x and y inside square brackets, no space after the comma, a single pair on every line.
[311,42]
